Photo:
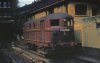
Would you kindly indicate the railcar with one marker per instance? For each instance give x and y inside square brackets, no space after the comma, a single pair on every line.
[52,32]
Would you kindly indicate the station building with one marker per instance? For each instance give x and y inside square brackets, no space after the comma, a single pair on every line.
[86,26]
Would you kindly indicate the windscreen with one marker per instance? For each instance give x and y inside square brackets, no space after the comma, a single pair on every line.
[62,36]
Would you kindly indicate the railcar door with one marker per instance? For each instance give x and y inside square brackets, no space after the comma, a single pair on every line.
[42,32]
[68,31]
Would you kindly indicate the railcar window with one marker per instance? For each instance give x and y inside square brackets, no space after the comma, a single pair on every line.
[67,23]
[80,9]
[54,22]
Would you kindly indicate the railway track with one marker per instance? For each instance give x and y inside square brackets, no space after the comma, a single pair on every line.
[31,55]
[87,59]
[36,58]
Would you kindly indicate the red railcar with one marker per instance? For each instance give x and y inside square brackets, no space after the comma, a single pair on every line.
[50,32]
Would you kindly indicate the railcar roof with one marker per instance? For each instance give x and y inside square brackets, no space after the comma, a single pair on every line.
[53,16]
[59,15]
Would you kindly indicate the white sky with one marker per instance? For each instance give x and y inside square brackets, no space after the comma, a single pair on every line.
[23,2]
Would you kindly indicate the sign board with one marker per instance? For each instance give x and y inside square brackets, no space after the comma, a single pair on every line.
[64,29]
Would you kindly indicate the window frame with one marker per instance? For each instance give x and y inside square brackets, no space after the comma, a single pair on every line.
[51,10]
[85,13]
[4,4]
[9,5]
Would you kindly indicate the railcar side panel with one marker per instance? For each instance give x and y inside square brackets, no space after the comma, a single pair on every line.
[51,31]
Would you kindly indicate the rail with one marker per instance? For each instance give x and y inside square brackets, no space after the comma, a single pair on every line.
[30,55]
[88,59]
